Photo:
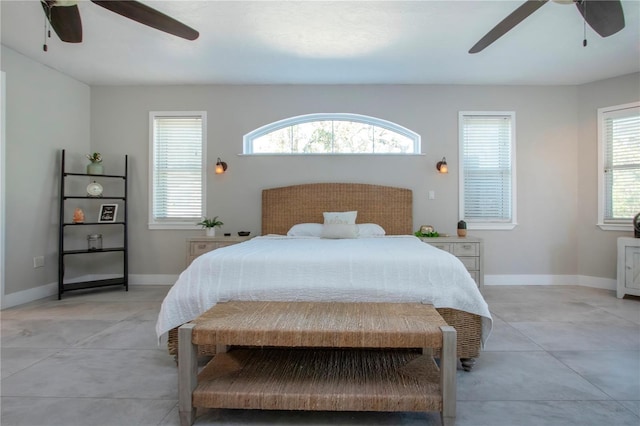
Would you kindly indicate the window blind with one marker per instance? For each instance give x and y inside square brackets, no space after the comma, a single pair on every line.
[178,168]
[487,169]
[621,132]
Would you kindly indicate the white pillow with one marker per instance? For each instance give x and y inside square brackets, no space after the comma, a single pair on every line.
[339,230]
[348,218]
[370,230]
[305,230]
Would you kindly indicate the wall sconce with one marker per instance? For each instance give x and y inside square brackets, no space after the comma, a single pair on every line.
[221,167]
[442,166]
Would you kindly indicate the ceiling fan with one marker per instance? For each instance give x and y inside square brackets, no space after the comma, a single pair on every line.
[604,16]
[64,17]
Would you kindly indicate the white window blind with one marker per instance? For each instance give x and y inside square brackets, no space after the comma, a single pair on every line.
[178,153]
[620,151]
[487,172]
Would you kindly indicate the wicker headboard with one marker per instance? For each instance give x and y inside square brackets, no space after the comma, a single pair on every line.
[389,207]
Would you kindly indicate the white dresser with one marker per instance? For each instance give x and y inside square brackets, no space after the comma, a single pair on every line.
[468,249]
[628,267]
[197,246]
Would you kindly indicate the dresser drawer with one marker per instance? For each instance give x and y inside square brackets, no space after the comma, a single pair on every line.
[471,263]
[465,249]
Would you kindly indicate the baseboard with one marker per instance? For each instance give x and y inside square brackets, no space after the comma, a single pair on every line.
[51,289]
[582,280]
[48,290]
[26,296]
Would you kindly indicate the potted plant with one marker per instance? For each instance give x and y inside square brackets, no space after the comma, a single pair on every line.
[210,225]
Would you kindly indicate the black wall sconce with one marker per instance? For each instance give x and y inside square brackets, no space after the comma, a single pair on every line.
[442,166]
[221,167]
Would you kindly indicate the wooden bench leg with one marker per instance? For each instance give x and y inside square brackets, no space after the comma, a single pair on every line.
[187,374]
[448,366]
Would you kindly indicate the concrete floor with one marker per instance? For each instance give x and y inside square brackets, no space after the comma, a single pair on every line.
[558,355]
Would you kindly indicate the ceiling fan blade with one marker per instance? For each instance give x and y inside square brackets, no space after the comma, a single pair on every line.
[517,16]
[148,16]
[65,21]
[605,17]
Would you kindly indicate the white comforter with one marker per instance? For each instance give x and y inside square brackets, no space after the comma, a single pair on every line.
[278,268]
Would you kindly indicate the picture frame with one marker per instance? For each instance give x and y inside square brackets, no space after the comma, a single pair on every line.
[108,213]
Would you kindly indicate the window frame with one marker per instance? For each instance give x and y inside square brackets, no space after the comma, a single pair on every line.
[603,113]
[487,225]
[247,140]
[180,223]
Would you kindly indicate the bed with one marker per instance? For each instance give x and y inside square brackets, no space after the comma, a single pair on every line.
[284,207]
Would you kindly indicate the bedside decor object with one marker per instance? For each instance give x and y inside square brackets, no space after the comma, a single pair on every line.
[243,233]
[108,213]
[95,167]
[636,226]
[94,189]
[210,225]
[462,228]
[221,167]
[78,215]
[426,231]
[442,166]
[94,242]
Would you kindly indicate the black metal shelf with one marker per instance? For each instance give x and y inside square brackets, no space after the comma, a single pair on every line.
[87,197]
[80,285]
[123,280]
[99,176]
[92,223]
[85,251]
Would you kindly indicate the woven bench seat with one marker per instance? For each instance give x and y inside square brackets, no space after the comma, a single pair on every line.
[319,356]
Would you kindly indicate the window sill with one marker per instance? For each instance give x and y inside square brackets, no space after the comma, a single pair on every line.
[491,226]
[174,226]
[616,227]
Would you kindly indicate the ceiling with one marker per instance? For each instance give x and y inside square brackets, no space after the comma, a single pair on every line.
[329,42]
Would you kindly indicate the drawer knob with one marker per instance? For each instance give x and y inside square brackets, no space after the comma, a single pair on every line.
[201,246]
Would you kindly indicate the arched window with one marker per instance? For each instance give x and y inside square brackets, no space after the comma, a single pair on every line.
[336,133]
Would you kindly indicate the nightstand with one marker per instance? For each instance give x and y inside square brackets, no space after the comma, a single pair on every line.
[628,267]
[197,246]
[468,249]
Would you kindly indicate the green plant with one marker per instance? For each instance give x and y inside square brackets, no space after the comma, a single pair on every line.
[210,223]
[96,157]
[428,234]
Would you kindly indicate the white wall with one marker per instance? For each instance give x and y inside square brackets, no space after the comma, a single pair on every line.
[597,248]
[46,111]
[544,243]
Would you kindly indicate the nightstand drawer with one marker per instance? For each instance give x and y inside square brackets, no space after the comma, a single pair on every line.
[198,248]
[200,245]
[471,263]
[468,249]
[441,246]
[465,249]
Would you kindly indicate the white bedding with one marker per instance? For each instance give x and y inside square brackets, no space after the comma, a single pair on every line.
[279,268]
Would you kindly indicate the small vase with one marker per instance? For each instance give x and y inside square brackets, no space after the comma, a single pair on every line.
[462,233]
[211,232]
[94,168]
